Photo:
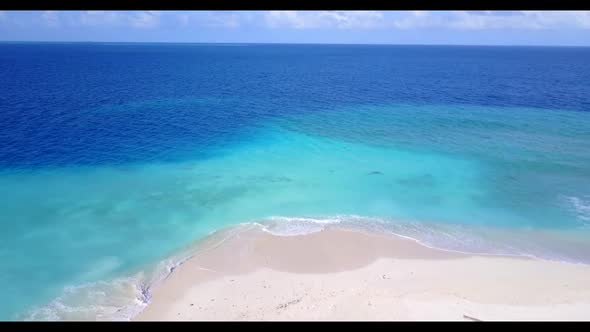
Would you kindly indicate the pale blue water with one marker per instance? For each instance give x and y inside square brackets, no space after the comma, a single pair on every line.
[117,156]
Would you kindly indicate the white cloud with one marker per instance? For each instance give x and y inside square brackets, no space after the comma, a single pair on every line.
[3,18]
[140,20]
[487,20]
[228,20]
[104,19]
[101,18]
[145,20]
[574,19]
[183,19]
[345,20]
[480,20]
[419,13]
[51,18]
[215,20]
[416,19]
[459,20]
[324,19]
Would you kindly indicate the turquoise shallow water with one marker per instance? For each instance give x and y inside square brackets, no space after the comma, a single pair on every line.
[116,158]
[295,175]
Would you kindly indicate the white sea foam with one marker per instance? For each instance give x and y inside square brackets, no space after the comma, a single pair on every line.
[291,226]
[118,299]
[469,239]
[580,206]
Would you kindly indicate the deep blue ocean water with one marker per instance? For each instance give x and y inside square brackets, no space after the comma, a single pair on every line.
[115,156]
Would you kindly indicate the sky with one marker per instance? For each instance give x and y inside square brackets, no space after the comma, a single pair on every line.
[554,28]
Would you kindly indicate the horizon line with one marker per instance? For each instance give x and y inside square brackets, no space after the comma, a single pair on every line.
[279,43]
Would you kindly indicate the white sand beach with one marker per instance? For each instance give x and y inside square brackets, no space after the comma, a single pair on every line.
[339,274]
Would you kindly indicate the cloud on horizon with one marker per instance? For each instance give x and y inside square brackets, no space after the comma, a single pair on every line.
[310,19]
[190,24]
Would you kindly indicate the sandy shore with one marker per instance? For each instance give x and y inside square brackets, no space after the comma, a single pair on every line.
[348,275]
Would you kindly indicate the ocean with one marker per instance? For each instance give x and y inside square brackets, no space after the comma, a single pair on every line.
[115,158]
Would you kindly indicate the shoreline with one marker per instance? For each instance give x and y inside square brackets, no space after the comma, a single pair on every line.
[343,274]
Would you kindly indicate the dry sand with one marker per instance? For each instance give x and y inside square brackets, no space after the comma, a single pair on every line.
[341,274]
